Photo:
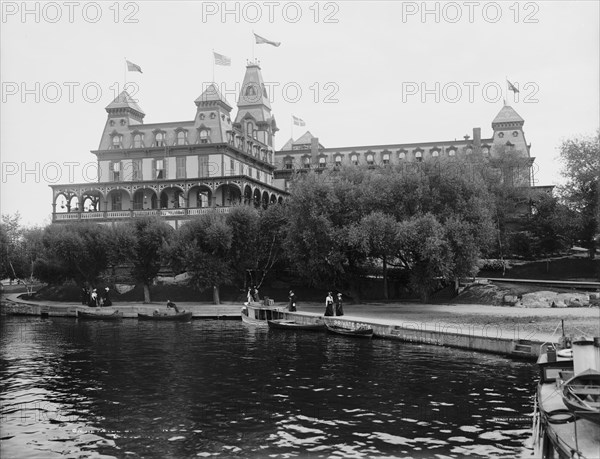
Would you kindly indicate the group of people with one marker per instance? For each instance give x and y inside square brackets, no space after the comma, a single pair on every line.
[253,294]
[330,310]
[329,305]
[94,299]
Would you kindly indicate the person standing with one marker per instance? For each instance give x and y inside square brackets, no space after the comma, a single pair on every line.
[94,298]
[339,310]
[329,305]
[292,303]
[85,295]
[106,297]
[255,296]
[250,297]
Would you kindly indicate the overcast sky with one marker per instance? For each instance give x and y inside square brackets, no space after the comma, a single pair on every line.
[358,73]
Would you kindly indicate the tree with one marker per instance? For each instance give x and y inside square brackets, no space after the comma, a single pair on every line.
[201,247]
[149,237]
[581,167]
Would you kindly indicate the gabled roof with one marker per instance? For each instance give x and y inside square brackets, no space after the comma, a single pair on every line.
[304,139]
[124,100]
[211,94]
[288,144]
[507,115]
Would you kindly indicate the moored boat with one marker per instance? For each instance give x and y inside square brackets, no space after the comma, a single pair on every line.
[258,315]
[581,395]
[283,324]
[361,331]
[182,316]
[99,315]
[561,428]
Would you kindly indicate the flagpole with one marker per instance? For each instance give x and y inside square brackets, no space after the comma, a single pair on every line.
[125,75]
[253,42]
[213,64]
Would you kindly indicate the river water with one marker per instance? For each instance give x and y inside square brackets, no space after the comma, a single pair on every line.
[82,389]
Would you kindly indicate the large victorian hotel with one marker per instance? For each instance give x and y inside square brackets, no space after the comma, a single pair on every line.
[177,170]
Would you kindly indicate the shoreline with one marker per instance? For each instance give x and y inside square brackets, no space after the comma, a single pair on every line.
[511,331]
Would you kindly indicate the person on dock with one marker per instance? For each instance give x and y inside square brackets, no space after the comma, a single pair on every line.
[292,303]
[255,296]
[250,297]
[339,310]
[106,297]
[93,298]
[329,304]
[170,304]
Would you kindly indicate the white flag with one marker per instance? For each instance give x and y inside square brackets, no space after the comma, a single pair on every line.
[298,121]
[133,67]
[221,60]
[260,40]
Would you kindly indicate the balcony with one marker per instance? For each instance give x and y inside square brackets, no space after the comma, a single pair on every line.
[123,214]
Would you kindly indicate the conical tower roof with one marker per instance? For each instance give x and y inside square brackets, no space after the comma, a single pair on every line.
[507,115]
[212,94]
[253,92]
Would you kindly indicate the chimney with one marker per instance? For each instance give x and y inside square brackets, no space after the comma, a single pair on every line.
[477,139]
[314,150]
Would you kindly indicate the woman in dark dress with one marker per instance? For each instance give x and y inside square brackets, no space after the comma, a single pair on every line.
[329,305]
[292,303]
[339,310]
[106,297]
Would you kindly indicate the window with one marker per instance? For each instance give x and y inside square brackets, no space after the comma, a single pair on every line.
[322,163]
[435,153]
[485,151]
[386,158]
[159,168]
[138,201]
[203,136]
[180,162]
[159,139]
[115,168]
[230,137]
[287,163]
[402,156]
[203,166]
[354,159]
[419,156]
[232,166]
[451,152]
[370,159]
[338,161]
[116,142]
[182,138]
[202,199]
[249,129]
[306,162]
[116,201]
[136,170]
[138,141]
[469,150]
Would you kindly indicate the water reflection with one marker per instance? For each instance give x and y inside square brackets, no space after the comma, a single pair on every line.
[220,388]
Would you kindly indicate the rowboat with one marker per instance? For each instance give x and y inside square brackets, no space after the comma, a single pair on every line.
[283,324]
[562,426]
[97,315]
[182,316]
[581,395]
[258,315]
[361,331]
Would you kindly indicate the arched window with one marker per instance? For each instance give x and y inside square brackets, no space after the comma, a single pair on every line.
[435,153]
[469,151]
[203,136]
[354,159]
[116,142]
[338,161]
[402,156]
[306,162]
[419,156]
[159,139]
[137,141]
[386,158]
[452,152]
[322,163]
[116,171]
[370,159]
[485,151]
[249,129]
[181,138]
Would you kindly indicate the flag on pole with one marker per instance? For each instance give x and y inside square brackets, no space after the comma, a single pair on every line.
[260,40]
[133,67]
[221,60]
[298,121]
[512,87]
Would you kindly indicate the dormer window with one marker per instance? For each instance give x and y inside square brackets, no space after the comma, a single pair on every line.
[452,152]
[306,162]
[435,153]
[249,129]
[159,139]
[370,159]
[485,151]
[338,161]
[419,156]
[115,170]
[181,138]
[229,137]
[385,158]
[354,159]
[469,150]
[287,163]
[203,135]
[138,141]
[402,156]
[322,163]
[116,142]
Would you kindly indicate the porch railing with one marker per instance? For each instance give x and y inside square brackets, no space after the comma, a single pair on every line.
[120,214]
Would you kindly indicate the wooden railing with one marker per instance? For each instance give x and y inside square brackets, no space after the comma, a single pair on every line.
[119,214]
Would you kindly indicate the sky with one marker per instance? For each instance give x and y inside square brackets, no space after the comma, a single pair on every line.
[357,72]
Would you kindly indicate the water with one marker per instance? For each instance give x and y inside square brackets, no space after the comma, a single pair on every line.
[213,388]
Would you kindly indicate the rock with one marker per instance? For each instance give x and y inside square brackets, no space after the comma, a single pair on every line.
[510,299]
[574,299]
[543,299]
[594,296]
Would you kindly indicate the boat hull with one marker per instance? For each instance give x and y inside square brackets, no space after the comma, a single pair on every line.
[179,317]
[258,316]
[363,332]
[283,324]
[99,315]
[581,395]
